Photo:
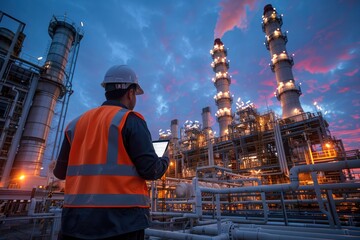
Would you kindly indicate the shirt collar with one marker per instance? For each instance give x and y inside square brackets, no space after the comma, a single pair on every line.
[113,103]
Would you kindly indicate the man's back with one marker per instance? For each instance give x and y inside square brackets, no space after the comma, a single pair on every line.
[102,142]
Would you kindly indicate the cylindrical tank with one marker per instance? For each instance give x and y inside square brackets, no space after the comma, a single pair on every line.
[281,63]
[6,37]
[222,81]
[50,87]
[175,129]
[206,118]
[184,190]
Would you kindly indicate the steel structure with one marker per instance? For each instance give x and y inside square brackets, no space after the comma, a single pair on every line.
[33,92]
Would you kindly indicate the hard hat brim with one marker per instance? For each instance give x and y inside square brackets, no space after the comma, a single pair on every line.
[139,90]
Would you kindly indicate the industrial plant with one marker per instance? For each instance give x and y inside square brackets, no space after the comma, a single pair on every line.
[264,177]
[29,94]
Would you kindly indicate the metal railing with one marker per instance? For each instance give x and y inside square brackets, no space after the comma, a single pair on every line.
[39,227]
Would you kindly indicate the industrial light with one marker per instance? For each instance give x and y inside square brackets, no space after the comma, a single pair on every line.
[81,23]
[39,58]
[22,177]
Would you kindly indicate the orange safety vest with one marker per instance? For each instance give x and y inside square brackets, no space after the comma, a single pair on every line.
[100,173]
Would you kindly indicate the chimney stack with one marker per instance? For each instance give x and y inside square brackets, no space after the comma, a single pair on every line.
[281,63]
[222,81]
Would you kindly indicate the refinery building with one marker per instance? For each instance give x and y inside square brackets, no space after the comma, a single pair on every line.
[264,177]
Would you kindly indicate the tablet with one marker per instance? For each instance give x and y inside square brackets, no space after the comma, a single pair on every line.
[160,147]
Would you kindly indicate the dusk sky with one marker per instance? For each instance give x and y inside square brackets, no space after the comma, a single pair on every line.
[167,43]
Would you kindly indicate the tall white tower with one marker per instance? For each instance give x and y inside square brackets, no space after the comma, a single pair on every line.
[281,63]
[222,81]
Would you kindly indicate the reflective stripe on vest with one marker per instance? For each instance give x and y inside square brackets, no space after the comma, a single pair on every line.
[103,169]
[109,181]
[106,200]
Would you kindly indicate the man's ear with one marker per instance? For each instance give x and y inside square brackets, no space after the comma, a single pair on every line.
[130,93]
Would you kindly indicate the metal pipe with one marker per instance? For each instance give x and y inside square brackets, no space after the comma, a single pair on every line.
[17,136]
[178,235]
[19,30]
[210,153]
[302,234]
[284,208]
[241,234]
[207,230]
[332,207]
[294,179]
[262,194]
[280,148]
[292,201]
[260,232]
[320,200]
[9,117]
[294,184]
[164,214]
[198,203]
[153,196]
[218,213]
[309,228]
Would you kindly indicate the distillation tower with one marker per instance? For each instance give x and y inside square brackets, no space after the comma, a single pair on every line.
[65,36]
[51,82]
[281,63]
[222,81]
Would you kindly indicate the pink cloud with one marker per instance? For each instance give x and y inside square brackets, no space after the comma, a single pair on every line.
[327,86]
[269,82]
[264,63]
[311,85]
[356,116]
[344,125]
[324,88]
[344,89]
[233,14]
[319,99]
[352,73]
[314,64]
[350,137]
[328,34]
[346,56]
[323,54]
[235,72]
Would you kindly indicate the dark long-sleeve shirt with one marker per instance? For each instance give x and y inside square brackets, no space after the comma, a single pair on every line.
[114,221]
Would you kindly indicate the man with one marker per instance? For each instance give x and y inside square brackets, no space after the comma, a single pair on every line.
[105,158]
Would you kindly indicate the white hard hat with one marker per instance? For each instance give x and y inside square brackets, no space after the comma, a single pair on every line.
[121,77]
